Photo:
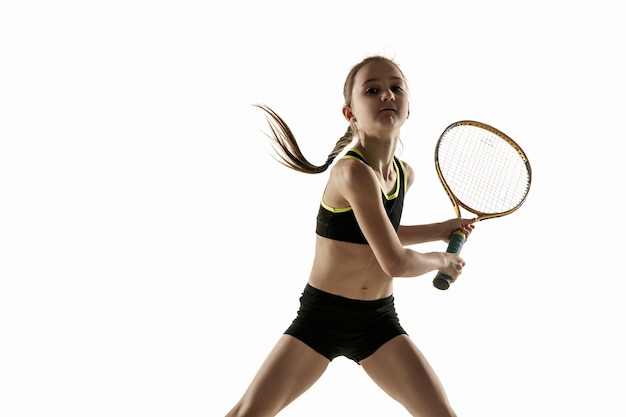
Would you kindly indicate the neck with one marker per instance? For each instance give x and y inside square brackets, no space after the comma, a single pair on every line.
[379,154]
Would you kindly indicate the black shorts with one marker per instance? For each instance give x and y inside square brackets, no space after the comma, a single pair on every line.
[337,326]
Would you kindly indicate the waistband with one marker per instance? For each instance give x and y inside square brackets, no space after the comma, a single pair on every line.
[315,294]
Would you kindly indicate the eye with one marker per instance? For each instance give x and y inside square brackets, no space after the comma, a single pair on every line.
[371,91]
[397,89]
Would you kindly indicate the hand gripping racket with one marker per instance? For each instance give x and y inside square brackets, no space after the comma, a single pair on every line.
[482,170]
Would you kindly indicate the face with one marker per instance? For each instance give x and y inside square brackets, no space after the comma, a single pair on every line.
[380,101]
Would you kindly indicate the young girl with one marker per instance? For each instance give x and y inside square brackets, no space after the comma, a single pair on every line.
[347,307]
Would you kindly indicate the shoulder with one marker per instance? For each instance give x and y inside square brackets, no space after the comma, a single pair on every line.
[350,181]
[352,172]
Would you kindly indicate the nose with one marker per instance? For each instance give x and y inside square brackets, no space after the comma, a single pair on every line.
[388,95]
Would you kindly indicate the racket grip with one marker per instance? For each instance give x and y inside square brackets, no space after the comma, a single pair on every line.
[457,239]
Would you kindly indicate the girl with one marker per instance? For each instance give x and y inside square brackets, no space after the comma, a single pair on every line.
[347,307]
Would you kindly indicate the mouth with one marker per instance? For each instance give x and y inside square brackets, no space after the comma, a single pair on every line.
[388,110]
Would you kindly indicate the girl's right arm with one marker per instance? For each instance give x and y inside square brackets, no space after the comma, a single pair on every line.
[358,185]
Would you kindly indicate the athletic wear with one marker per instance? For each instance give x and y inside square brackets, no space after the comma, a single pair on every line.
[337,326]
[340,223]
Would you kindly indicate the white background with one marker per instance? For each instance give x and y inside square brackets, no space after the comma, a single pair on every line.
[152,251]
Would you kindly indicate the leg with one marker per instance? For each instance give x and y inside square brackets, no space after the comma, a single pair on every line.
[291,368]
[401,370]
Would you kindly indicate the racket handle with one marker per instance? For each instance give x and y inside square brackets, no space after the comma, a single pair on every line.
[457,239]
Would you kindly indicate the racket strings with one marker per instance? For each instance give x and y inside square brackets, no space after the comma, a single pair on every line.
[484,171]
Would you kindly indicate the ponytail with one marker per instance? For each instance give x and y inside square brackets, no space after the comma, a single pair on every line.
[286,146]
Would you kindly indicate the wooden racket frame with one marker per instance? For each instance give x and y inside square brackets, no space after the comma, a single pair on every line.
[456,202]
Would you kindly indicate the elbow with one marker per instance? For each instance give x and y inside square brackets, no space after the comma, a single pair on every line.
[412,264]
[395,268]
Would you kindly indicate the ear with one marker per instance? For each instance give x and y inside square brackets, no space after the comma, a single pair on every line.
[347,113]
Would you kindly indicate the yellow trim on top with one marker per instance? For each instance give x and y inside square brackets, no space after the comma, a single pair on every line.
[335,210]
[406,177]
[355,150]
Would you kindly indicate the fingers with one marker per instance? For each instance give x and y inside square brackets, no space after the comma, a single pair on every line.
[468,226]
[458,267]
[467,229]
[455,266]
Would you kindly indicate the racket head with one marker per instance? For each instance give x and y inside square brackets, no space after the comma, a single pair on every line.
[482,169]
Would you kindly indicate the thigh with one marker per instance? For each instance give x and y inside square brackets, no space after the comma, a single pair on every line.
[401,370]
[290,369]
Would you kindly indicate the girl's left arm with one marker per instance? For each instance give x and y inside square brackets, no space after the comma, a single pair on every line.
[422,233]
[416,234]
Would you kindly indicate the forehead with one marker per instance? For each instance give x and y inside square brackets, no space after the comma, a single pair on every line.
[377,71]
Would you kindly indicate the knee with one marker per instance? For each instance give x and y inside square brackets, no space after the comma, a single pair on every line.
[246,409]
[432,410]
[444,413]
[238,411]
[447,413]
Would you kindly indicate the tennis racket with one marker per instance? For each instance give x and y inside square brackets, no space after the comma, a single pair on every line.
[483,171]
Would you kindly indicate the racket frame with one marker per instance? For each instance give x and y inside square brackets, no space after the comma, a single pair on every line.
[456,202]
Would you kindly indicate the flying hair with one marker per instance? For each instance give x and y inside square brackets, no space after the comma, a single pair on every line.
[284,142]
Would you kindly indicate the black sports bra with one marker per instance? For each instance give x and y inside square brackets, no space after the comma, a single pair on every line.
[340,223]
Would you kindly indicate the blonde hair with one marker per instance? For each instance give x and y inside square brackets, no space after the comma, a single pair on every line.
[285,143]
